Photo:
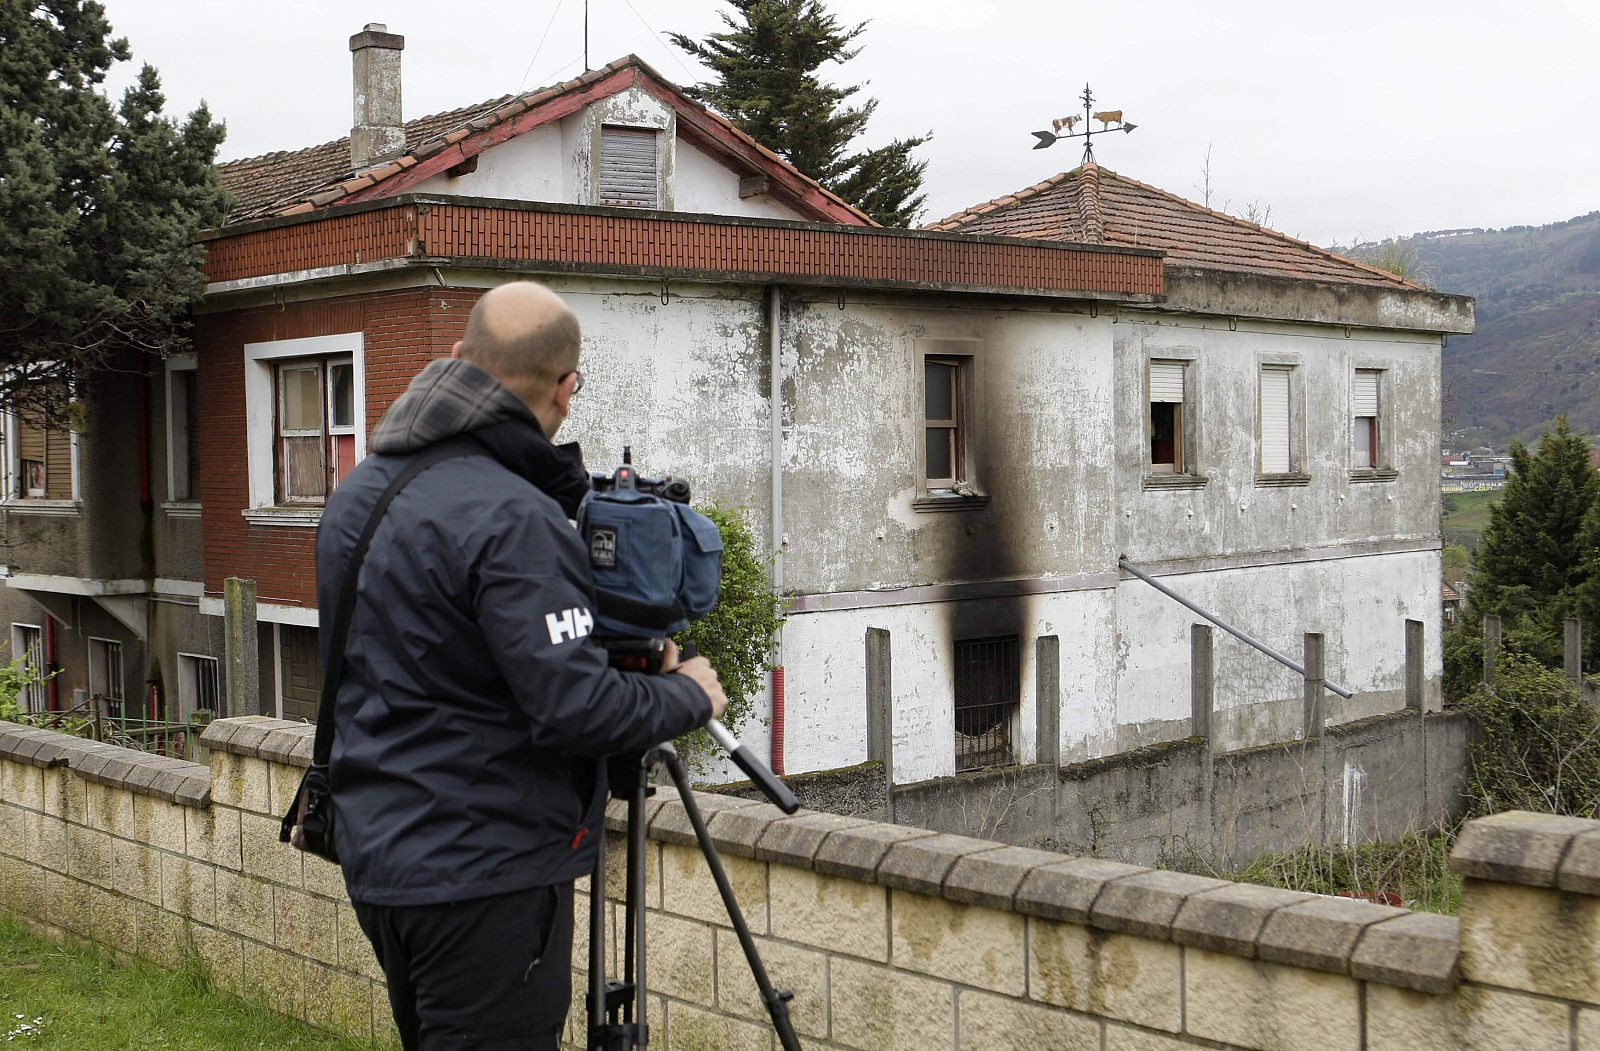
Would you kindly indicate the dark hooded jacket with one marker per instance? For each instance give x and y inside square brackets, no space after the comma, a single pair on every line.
[474,710]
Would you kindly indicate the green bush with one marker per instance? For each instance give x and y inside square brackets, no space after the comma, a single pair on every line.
[1538,742]
[736,636]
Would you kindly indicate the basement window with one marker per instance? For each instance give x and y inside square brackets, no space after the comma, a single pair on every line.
[27,645]
[105,675]
[988,697]
[629,174]
[198,683]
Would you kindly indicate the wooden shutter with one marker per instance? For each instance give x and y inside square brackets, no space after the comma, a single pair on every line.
[1274,421]
[1364,395]
[628,167]
[1166,381]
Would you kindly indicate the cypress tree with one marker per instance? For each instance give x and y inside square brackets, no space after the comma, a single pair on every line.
[1535,559]
[766,82]
[99,205]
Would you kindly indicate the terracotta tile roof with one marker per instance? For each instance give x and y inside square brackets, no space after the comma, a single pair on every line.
[1448,593]
[296,181]
[1090,200]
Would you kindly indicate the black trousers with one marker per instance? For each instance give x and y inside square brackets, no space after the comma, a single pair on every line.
[491,974]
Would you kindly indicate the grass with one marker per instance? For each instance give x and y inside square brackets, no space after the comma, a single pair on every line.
[78,999]
[1466,516]
[1414,869]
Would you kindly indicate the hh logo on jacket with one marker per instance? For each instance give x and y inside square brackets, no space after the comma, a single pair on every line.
[569,624]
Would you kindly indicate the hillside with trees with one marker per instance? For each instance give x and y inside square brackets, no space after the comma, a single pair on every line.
[1536,354]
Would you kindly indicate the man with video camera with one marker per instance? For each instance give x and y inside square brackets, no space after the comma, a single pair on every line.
[473,710]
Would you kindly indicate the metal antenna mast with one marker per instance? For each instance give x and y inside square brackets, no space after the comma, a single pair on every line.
[586,36]
[1110,120]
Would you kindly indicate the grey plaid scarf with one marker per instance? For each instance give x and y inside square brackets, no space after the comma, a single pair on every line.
[449,397]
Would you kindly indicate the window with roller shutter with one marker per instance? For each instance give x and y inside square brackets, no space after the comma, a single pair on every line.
[629,175]
[1364,423]
[1166,417]
[1275,432]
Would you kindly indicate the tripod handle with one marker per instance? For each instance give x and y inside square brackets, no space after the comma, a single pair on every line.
[754,769]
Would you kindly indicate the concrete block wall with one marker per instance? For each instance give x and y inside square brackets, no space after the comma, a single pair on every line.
[890,936]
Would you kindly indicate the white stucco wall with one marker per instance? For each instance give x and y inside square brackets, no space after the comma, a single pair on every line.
[1059,427]
[531,167]
[701,183]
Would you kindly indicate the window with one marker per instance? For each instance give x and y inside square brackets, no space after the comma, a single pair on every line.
[628,170]
[1166,418]
[105,673]
[941,419]
[305,416]
[316,442]
[988,695]
[42,466]
[1279,453]
[197,683]
[1364,431]
[183,431]
[27,643]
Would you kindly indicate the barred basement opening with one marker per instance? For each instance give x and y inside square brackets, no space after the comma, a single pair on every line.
[988,694]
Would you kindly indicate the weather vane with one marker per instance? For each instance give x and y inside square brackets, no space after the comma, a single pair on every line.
[1110,120]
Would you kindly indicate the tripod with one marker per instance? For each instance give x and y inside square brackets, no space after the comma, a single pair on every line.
[618,1014]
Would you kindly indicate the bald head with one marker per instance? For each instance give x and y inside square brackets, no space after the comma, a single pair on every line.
[524,334]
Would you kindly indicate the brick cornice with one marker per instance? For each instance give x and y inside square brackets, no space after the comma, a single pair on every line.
[433,231]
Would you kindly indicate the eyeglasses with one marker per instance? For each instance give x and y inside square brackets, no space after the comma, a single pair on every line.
[577,383]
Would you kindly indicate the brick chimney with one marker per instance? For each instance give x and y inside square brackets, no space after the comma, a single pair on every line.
[379,131]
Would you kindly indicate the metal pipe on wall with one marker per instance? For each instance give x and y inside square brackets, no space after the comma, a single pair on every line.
[775,406]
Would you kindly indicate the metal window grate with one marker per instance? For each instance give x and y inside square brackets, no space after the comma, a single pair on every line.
[988,693]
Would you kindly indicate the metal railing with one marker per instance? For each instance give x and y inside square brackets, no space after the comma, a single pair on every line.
[1299,669]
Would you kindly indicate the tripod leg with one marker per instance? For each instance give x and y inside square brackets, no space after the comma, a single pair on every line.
[597,947]
[777,1001]
[637,845]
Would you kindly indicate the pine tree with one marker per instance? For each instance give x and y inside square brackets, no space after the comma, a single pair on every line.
[1536,556]
[766,83]
[99,206]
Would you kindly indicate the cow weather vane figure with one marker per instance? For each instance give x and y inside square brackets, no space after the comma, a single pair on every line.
[1110,120]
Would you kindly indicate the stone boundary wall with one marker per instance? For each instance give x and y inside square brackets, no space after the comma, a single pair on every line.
[890,936]
[1374,778]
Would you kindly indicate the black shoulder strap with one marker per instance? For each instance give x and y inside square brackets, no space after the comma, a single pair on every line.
[322,750]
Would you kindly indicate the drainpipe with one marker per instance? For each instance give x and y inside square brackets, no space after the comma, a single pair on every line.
[775,370]
[52,687]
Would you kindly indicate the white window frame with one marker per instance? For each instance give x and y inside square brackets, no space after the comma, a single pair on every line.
[11,471]
[260,399]
[189,665]
[33,697]
[175,364]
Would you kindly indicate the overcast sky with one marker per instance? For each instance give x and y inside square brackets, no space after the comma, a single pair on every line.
[1359,118]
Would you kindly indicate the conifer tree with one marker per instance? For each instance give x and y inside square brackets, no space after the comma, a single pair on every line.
[99,205]
[1536,556]
[766,82]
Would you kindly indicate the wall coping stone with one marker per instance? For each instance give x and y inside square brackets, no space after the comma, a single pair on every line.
[1146,904]
[796,841]
[921,864]
[991,878]
[1230,919]
[1580,869]
[1419,950]
[174,780]
[1322,933]
[1067,890]
[1518,847]
[856,852]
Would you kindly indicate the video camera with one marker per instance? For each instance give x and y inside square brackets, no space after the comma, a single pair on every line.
[656,562]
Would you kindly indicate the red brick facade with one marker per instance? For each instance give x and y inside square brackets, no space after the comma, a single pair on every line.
[401,331]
